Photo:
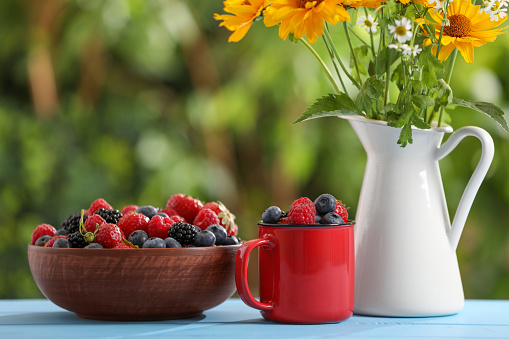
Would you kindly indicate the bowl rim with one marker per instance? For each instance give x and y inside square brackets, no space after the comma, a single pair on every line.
[145,250]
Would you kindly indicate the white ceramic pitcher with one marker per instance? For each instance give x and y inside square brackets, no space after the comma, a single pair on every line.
[405,245]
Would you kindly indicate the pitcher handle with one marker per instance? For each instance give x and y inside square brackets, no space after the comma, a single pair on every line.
[488,151]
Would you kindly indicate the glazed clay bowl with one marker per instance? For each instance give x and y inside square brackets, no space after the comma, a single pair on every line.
[135,285]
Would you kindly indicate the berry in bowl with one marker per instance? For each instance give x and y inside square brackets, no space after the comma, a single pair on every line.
[140,263]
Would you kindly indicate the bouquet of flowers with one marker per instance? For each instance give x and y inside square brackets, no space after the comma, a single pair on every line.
[409,50]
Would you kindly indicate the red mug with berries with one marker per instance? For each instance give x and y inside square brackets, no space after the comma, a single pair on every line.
[306,264]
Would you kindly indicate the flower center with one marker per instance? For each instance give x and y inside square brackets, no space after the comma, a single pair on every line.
[307,4]
[401,30]
[368,23]
[460,26]
[495,6]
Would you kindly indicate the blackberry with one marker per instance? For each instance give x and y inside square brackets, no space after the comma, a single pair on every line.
[182,232]
[72,223]
[111,216]
[77,240]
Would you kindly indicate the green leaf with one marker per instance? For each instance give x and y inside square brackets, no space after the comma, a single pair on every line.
[405,137]
[432,69]
[422,101]
[487,108]
[418,122]
[444,95]
[371,90]
[330,105]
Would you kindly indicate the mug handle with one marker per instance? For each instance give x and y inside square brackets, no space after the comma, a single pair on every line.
[488,151]
[241,273]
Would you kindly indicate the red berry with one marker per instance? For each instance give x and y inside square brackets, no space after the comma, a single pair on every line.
[108,235]
[233,230]
[42,229]
[158,226]
[123,245]
[284,220]
[342,211]
[132,222]
[128,209]
[302,212]
[169,211]
[213,206]
[176,218]
[99,203]
[205,218]
[92,223]
[185,205]
[52,240]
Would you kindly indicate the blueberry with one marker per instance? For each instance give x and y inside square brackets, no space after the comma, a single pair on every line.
[148,210]
[220,233]
[94,245]
[62,243]
[62,231]
[325,203]
[318,218]
[154,242]
[272,215]
[138,238]
[42,240]
[331,218]
[171,243]
[231,240]
[162,214]
[204,238]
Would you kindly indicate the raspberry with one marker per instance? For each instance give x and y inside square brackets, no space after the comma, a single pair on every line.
[128,209]
[158,226]
[342,211]
[99,203]
[52,240]
[177,218]
[132,222]
[93,222]
[205,218]
[302,212]
[42,229]
[185,205]
[108,235]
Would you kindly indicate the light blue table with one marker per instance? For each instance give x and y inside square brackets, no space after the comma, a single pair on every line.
[42,319]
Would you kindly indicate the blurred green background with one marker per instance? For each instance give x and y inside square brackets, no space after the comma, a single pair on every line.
[133,101]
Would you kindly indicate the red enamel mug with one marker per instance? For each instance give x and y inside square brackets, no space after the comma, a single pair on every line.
[306,272]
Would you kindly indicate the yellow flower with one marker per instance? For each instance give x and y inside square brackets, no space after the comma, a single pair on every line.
[243,12]
[302,17]
[468,28]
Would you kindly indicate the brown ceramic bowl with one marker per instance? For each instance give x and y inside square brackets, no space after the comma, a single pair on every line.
[135,285]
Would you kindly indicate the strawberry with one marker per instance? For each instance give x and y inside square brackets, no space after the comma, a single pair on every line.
[42,229]
[92,223]
[213,206]
[128,209]
[132,222]
[185,205]
[302,212]
[205,218]
[169,211]
[52,240]
[234,230]
[123,245]
[108,235]
[341,210]
[158,226]
[98,203]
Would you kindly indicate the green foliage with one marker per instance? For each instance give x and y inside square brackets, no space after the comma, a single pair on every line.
[487,108]
[330,105]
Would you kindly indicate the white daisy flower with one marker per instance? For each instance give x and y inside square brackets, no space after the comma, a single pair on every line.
[402,30]
[496,9]
[411,50]
[368,23]
[394,46]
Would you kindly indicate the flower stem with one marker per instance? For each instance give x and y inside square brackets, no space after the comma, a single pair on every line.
[442,28]
[333,58]
[447,80]
[345,25]
[324,66]
[334,50]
